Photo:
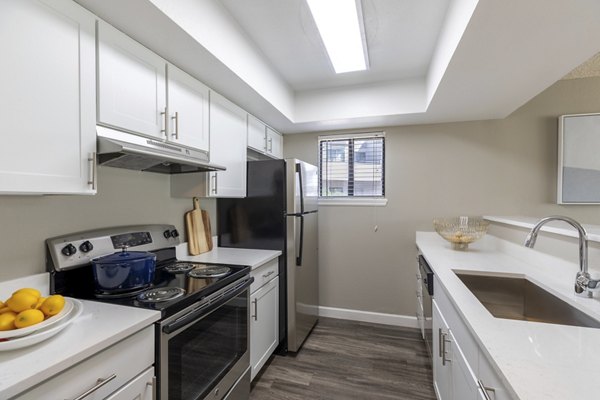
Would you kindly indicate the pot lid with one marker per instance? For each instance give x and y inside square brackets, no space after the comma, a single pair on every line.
[124,256]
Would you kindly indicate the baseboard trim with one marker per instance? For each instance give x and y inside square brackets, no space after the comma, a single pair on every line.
[368,316]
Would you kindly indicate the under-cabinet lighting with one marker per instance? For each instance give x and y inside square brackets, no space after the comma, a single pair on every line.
[339,23]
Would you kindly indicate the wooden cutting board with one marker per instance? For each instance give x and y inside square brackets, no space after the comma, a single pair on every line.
[197,225]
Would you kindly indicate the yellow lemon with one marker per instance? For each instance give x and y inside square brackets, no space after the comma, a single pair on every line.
[7,321]
[1,304]
[28,318]
[53,305]
[31,291]
[21,301]
[40,302]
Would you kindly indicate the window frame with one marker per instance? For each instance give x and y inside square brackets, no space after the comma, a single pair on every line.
[351,199]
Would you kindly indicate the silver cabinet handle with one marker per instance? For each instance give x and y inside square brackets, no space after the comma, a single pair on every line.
[270,149]
[444,341]
[176,119]
[268,274]
[485,389]
[440,342]
[152,383]
[164,116]
[214,178]
[255,316]
[92,172]
[99,383]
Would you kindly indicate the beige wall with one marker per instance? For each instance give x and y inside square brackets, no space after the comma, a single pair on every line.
[499,167]
[124,198]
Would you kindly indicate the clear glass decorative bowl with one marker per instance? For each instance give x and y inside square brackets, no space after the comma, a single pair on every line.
[460,231]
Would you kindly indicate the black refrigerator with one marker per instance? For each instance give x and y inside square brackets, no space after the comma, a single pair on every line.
[280,212]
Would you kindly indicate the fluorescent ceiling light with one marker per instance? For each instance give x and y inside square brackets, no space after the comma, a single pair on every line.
[340,28]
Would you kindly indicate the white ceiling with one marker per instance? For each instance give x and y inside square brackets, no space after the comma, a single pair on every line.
[401,37]
[431,61]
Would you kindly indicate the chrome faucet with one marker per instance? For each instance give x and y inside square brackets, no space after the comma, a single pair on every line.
[584,284]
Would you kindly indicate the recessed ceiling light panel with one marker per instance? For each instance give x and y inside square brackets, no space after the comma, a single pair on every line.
[339,23]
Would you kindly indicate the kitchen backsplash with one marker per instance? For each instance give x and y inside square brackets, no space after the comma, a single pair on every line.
[124,198]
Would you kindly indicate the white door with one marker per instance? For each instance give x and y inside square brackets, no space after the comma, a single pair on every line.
[257,139]
[464,383]
[188,109]
[264,324]
[274,143]
[131,84]
[227,147]
[47,97]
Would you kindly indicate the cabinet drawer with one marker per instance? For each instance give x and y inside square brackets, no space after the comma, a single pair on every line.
[125,360]
[140,388]
[491,381]
[264,274]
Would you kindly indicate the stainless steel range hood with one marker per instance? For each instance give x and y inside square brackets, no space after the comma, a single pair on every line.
[125,150]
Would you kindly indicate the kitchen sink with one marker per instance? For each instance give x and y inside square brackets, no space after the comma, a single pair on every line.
[520,299]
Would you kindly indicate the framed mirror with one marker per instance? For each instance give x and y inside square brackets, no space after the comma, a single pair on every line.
[579,159]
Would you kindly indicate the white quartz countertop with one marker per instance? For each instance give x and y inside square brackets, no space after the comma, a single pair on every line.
[537,361]
[225,255]
[99,326]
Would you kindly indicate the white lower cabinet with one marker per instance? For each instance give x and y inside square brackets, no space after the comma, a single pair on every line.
[143,387]
[460,369]
[119,371]
[264,317]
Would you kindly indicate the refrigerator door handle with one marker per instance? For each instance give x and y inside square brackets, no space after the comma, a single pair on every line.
[299,173]
[301,245]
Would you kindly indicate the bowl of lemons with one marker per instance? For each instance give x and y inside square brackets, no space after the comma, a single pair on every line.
[27,311]
[461,231]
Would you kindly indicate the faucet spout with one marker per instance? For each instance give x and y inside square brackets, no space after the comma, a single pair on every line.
[583,281]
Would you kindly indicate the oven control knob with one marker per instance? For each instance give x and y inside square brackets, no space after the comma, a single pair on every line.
[174,233]
[69,250]
[167,234]
[86,246]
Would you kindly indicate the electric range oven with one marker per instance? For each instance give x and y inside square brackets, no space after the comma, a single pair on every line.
[203,335]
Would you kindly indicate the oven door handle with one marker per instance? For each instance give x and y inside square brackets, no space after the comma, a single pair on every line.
[206,309]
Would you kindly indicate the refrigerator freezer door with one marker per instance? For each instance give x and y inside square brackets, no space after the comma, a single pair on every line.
[302,186]
[303,279]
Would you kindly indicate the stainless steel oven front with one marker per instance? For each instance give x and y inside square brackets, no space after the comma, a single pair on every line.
[203,351]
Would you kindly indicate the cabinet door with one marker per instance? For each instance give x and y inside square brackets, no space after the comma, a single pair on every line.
[491,381]
[188,109]
[442,352]
[464,383]
[257,134]
[264,324]
[47,101]
[274,143]
[131,84]
[228,147]
[142,387]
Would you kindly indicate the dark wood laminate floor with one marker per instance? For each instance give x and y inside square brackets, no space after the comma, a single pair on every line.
[347,360]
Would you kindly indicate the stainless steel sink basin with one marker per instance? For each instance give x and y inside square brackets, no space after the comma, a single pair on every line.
[518,298]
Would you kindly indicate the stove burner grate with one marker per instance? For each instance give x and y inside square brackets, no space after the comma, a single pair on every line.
[180,267]
[157,295]
[209,271]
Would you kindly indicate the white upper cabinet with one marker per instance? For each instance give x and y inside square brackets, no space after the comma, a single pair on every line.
[257,134]
[131,84]
[188,109]
[263,139]
[227,148]
[274,143]
[47,97]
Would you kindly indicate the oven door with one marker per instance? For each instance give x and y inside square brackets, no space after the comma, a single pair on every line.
[203,350]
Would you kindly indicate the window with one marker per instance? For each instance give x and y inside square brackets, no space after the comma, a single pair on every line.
[352,166]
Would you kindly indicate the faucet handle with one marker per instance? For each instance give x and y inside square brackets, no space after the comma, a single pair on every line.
[584,284]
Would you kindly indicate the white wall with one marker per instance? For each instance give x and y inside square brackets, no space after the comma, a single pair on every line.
[496,167]
[124,198]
